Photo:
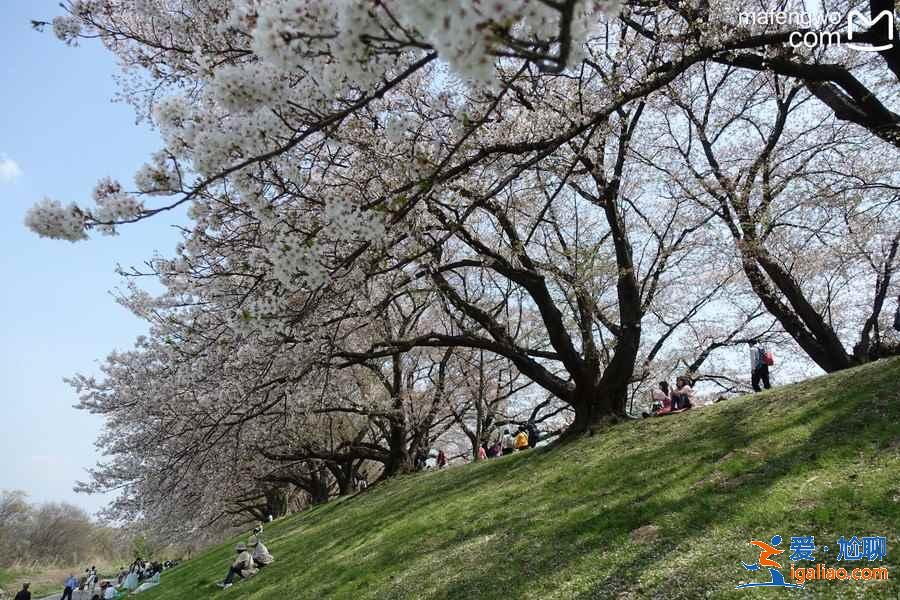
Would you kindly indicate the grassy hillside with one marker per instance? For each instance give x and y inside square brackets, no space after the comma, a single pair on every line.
[820,458]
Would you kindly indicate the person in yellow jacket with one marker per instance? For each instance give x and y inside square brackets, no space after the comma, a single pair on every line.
[522,440]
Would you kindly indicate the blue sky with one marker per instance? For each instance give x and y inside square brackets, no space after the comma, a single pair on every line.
[59,133]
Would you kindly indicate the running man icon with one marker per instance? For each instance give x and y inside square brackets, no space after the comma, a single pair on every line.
[767,550]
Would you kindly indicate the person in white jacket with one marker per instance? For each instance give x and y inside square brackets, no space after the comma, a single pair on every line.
[261,554]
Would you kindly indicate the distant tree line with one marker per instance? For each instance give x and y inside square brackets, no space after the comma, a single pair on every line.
[53,533]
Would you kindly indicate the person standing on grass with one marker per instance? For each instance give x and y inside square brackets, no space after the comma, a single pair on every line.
[91,579]
[509,442]
[24,594]
[534,436]
[441,459]
[482,452]
[421,459]
[759,370]
[70,585]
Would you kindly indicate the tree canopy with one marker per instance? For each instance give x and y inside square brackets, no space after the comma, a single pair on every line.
[414,221]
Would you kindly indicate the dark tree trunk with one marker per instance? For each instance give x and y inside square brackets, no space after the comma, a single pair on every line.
[399,459]
[343,475]
[319,489]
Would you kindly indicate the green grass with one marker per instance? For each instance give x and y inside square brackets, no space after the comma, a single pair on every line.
[47,580]
[44,580]
[819,458]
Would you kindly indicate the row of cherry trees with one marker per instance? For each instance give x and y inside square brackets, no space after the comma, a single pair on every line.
[411,224]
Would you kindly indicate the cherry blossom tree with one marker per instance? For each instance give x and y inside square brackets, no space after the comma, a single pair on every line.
[814,221]
[410,221]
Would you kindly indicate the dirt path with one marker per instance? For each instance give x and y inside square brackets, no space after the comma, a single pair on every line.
[75,596]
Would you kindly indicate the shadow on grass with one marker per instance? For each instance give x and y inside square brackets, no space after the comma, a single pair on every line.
[557,524]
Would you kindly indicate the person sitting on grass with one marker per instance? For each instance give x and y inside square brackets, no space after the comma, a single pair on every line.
[261,555]
[521,440]
[150,583]
[682,395]
[108,591]
[661,401]
[241,567]
[496,450]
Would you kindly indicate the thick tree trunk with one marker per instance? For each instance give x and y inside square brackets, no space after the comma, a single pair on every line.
[343,475]
[606,400]
[399,458]
[592,408]
[811,332]
[276,503]
[319,492]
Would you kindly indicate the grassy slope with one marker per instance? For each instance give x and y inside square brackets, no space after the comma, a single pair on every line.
[819,458]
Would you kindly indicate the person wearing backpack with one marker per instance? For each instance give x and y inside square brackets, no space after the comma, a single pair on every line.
[760,359]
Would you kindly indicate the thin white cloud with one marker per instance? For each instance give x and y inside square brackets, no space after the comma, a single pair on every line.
[9,169]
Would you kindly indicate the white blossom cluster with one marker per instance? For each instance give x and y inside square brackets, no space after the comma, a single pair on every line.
[346,219]
[49,218]
[296,262]
[398,124]
[465,33]
[113,204]
[173,116]
[159,176]
[67,28]
[246,86]
[306,56]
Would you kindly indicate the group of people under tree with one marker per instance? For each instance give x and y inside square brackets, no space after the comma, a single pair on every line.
[90,583]
[525,437]
[665,401]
